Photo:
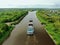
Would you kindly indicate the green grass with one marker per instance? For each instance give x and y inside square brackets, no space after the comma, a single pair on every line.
[6,34]
[52,28]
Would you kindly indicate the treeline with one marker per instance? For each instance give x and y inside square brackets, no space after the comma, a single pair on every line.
[11,16]
[51,21]
[8,16]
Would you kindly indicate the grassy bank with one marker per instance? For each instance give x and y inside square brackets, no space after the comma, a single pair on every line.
[5,34]
[8,16]
[51,21]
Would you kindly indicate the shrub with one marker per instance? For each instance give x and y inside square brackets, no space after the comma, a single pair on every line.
[4,27]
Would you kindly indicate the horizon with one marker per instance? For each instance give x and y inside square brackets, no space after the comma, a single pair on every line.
[29,4]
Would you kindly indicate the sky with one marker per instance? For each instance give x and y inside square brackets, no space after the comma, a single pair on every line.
[29,3]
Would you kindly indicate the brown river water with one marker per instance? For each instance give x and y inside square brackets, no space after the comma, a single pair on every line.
[19,36]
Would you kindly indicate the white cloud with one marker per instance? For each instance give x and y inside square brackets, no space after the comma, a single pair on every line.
[18,3]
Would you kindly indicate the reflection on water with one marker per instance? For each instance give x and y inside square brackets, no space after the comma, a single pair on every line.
[19,36]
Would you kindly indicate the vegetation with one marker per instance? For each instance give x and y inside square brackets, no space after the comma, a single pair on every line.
[12,16]
[50,18]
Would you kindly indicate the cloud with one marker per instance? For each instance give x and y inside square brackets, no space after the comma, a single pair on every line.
[27,3]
